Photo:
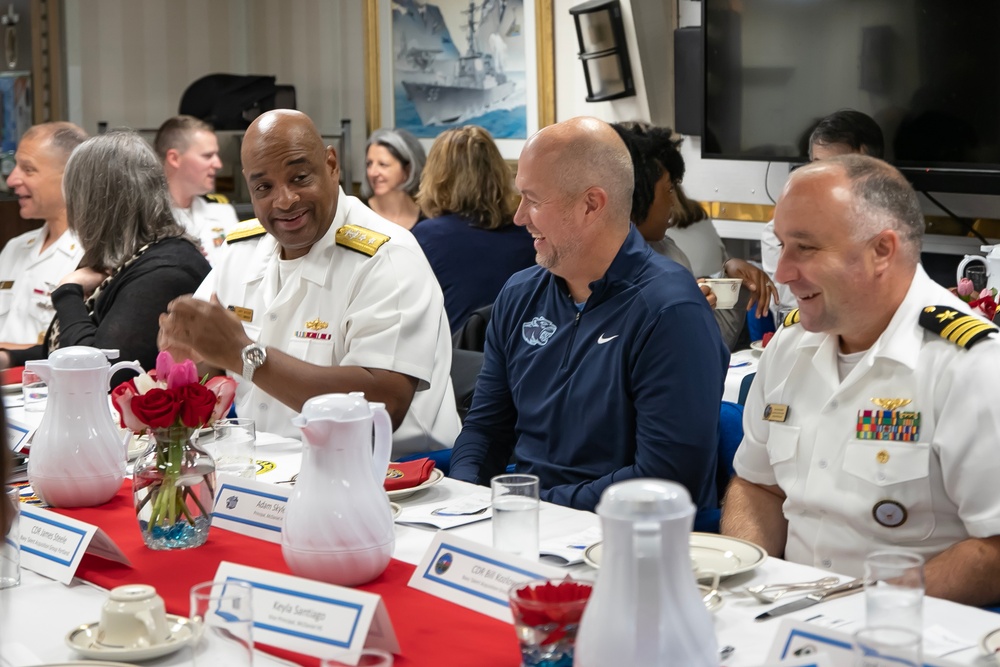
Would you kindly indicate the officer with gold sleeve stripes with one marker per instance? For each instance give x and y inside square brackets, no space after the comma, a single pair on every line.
[872,422]
[321,295]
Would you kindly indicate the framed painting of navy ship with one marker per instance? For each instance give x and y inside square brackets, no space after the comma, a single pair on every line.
[436,64]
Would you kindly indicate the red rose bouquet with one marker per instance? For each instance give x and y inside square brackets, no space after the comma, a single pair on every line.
[174,483]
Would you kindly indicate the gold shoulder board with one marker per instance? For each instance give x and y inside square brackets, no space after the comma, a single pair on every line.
[791,318]
[361,239]
[217,198]
[247,229]
[954,325]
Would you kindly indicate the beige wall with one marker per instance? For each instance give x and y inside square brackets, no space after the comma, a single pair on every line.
[129,61]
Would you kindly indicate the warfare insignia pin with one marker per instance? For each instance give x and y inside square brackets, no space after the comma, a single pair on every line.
[317,324]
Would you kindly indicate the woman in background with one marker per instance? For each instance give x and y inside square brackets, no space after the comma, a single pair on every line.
[658,202]
[470,240]
[394,160]
[136,258]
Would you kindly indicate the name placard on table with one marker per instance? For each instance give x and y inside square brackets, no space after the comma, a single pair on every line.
[475,576]
[53,545]
[311,617]
[251,508]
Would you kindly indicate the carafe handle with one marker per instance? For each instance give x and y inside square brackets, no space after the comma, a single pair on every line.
[383,441]
[134,365]
[960,272]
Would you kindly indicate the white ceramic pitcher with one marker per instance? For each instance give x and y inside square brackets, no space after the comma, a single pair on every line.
[338,524]
[77,457]
[992,262]
[646,610]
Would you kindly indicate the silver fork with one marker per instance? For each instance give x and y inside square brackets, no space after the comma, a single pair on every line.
[768,593]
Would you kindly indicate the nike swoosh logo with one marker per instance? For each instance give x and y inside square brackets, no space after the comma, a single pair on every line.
[602,340]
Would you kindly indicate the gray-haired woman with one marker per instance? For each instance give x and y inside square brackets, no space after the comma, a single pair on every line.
[394,161]
[136,258]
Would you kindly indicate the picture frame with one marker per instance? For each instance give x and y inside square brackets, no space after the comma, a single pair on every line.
[513,103]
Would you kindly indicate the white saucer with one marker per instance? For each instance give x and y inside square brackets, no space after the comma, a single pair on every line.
[83,640]
[88,663]
[991,645]
[400,494]
[396,510]
[757,346]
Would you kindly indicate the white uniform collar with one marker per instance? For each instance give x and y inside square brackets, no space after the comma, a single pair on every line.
[903,337]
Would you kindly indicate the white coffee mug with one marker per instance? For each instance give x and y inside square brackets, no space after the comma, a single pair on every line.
[133,616]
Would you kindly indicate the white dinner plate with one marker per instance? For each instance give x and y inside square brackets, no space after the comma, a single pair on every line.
[757,346]
[991,645]
[11,388]
[710,553]
[88,663]
[396,510]
[83,640]
[402,494]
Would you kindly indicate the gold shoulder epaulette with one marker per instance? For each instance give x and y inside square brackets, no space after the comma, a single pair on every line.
[361,239]
[791,318]
[248,229]
[961,329]
[217,198]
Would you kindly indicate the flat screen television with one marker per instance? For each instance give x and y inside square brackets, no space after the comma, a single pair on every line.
[928,71]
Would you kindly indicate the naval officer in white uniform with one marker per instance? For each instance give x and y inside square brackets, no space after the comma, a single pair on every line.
[32,264]
[872,421]
[189,151]
[332,298]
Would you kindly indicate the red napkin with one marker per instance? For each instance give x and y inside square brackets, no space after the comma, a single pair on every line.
[408,474]
[11,375]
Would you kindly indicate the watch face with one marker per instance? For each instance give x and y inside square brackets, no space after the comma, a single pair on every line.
[255,355]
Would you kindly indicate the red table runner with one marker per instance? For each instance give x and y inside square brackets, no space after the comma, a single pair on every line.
[431,631]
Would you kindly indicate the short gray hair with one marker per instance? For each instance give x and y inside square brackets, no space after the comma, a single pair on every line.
[116,198]
[883,199]
[404,147]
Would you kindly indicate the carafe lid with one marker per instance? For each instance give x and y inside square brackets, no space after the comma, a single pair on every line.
[78,357]
[339,407]
[645,500]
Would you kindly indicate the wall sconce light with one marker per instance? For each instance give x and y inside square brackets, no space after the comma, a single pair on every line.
[601,34]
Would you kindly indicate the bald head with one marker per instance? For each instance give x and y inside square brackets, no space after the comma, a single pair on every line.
[880,198]
[277,129]
[582,153]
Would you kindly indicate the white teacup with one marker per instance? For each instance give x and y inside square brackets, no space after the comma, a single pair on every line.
[726,290]
[133,616]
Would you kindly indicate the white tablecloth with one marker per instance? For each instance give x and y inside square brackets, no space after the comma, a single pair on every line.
[35,616]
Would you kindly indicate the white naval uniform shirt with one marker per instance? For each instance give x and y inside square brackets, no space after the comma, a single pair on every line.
[209,222]
[841,491]
[27,277]
[384,311]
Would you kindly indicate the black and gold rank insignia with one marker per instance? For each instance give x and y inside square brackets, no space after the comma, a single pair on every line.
[951,324]
[791,318]
[361,239]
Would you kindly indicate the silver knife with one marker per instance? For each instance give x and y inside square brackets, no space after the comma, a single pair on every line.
[847,588]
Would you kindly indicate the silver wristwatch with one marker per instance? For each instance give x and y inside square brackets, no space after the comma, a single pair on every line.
[253,356]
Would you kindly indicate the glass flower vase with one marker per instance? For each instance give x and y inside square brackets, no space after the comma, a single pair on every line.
[173,488]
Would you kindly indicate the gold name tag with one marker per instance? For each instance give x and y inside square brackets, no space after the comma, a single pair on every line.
[245,314]
[6,284]
[775,412]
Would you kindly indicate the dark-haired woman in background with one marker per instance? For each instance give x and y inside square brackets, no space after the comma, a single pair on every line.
[658,203]
[136,258]
[470,240]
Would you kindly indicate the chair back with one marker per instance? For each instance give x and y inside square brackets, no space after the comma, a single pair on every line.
[730,437]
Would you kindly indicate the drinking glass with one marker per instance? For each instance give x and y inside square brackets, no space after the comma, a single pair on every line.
[223,614]
[515,514]
[234,447]
[547,614]
[894,589]
[887,647]
[34,391]
[10,548]
[977,274]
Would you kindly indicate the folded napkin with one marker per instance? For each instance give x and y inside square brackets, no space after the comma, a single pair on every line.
[11,375]
[408,474]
